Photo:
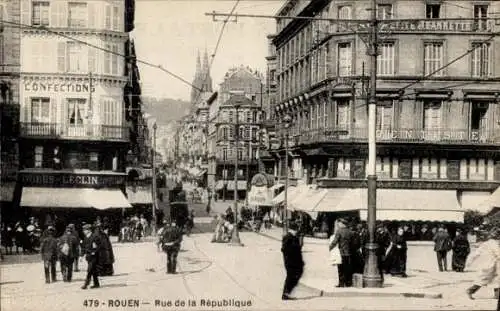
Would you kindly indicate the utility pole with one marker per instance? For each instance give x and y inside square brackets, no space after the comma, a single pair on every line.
[235,239]
[154,190]
[371,274]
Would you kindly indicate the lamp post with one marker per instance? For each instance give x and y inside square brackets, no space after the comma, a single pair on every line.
[371,273]
[154,196]
[286,120]
[235,239]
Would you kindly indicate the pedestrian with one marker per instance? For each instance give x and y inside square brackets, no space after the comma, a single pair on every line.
[91,247]
[106,254]
[292,257]
[397,254]
[49,255]
[171,244]
[343,239]
[68,251]
[442,245]
[461,249]
[78,236]
[487,259]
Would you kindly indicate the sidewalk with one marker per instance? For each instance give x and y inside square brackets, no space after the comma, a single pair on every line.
[421,283]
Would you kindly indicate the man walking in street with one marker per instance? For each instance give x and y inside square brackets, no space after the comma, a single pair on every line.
[442,245]
[344,239]
[171,244]
[49,254]
[68,251]
[292,257]
[91,248]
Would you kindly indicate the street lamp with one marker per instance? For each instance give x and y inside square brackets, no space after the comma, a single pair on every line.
[235,239]
[287,120]
[153,225]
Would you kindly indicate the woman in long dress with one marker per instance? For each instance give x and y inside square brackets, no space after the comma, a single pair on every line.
[461,250]
[397,254]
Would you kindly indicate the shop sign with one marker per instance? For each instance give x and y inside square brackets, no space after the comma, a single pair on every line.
[260,180]
[67,87]
[259,196]
[71,180]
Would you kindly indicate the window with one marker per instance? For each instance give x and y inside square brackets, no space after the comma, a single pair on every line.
[384,115]
[480,17]
[432,119]
[41,13]
[116,18]
[433,58]
[40,110]
[384,11]
[240,154]
[75,59]
[38,156]
[432,10]
[344,59]
[111,112]
[386,59]
[107,59]
[77,16]
[114,60]
[224,157]
[479,119]
[344,12]
[107,20]
[342,121]
[481,60]
[76,111]
[224,133]
[231,116]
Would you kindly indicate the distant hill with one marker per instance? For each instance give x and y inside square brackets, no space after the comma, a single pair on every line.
[165,110]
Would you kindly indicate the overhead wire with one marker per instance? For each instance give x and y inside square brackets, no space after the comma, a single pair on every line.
[138,60]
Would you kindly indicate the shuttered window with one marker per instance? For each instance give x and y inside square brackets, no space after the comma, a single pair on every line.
[433,58]
[386,59]
[40,110]
[342,114]
[78,13]
[40,13]
[344,59]
[481,60]
[384,115]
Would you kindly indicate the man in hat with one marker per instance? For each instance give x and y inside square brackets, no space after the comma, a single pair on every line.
[68,251]
[292,257]
[49,254]
[171,243]
[442,245]
[91,246]
[344,239]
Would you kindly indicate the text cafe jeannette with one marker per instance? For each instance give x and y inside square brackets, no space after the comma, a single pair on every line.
[58,87]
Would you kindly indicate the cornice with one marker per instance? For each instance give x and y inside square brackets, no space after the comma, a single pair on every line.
[103,79]
[75,32]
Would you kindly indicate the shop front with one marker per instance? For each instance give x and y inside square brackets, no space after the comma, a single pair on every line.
[74,197]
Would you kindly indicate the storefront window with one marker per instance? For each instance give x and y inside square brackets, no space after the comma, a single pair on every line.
[40,110]
[76,110]
[38,156]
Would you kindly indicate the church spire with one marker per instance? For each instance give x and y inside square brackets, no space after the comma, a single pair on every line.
[206,69]
[198,65]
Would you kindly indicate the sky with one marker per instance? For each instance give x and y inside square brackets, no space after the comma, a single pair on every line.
[171,32]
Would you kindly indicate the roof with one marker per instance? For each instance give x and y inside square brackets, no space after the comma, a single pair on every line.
[241,100]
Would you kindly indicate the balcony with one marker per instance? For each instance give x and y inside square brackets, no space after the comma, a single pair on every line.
[77,132]
[423,136]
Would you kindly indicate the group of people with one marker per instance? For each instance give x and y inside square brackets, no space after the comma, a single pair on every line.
[349,239]
[133,229]
[93,244]
[21,236]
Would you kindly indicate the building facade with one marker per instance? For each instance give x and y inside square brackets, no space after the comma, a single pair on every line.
[437,95]
[10,49]
[74,130]
[234,135]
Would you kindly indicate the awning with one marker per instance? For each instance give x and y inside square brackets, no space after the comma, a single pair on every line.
[309,200]
[332,198]
[491,203]
[73,198]
[402,204]
[293,193]
[7,192]
[139,195]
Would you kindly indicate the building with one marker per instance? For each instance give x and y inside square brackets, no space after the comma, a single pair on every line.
[10,49]
[226,144]
[437,105]
[74,137]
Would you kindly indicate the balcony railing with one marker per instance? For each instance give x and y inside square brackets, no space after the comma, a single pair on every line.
[442,136]
[75,131]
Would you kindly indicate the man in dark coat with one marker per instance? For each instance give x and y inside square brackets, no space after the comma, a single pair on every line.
[91,248]
[106,254]
[442,245]
[171,243]
[344,239]
[68,251]
[179,210]
[49,254]
[292,257]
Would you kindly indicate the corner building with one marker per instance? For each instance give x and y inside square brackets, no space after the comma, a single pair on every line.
[74,137]
[438,137]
